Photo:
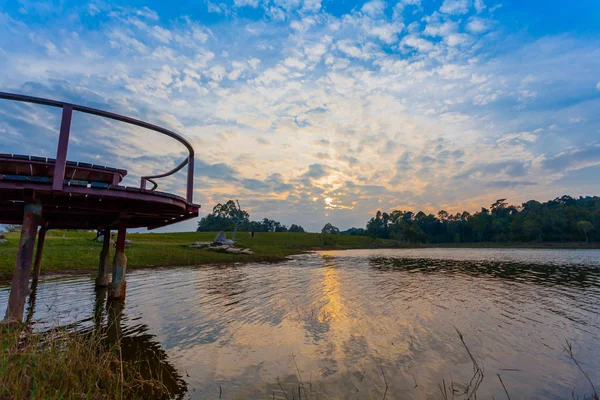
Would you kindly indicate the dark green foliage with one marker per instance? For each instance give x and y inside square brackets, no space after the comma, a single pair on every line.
[564,219]
[224,217]
[296,228]
[330,229]
[354,232]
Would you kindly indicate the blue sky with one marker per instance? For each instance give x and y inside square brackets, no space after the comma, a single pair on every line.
[313,111]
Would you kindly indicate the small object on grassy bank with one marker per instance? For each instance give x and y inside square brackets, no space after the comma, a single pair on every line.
[221,248]
[61,365]
[222,239]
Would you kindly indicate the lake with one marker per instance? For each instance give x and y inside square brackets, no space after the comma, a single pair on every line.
[355,324]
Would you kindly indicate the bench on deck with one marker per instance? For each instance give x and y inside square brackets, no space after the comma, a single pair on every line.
[16,167]
[32,169]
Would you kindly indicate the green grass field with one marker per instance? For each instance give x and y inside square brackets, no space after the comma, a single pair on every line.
[70,251]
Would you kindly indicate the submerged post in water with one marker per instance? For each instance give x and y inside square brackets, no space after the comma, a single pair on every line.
[20,283]
[38,255]
[102,279]
[116,289]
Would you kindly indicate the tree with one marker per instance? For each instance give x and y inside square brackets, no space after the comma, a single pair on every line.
[562,219]
[330,229]
[586,227]
[230,210]
[296,228]
[224,217]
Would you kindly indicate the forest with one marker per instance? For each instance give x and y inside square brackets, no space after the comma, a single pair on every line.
[564,219]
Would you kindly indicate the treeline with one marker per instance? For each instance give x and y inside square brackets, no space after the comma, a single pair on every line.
[225,217]
[563,219]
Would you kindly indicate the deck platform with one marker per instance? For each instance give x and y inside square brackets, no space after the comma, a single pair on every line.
[42,193]
[91,197]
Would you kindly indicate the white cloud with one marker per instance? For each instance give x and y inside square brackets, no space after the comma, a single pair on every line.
[294,63]
[402,4]
[163,35]
[125,40]
[147,13]
[303,24]
[243,3]
[598,85]
[276,13]
[311,5]
[418,43]
[51,48]
[478,25]
[374,8]
[387,33]
[453,71]
[93,9]
[455,7]
[456,39]
[577,120]
[479,5]
[443,29]
[217,73]
[351,49]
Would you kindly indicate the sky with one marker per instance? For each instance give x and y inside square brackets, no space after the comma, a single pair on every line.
[312,111]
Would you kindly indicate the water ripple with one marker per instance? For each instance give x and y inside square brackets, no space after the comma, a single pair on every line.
[335,319]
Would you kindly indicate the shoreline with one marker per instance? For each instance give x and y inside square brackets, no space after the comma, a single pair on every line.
[75,253]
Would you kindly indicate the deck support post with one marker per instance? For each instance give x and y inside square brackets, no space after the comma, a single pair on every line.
[37,265]
[117,288]
[102,279]
[19,289]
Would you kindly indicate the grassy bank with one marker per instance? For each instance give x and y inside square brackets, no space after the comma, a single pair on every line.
[69,251]
[61,365]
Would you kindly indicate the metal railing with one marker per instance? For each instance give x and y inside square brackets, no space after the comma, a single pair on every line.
[65,131]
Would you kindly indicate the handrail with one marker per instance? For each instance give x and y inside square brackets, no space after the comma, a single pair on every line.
[65,128]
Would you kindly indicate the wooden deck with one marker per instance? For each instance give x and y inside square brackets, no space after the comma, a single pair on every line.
[91,197]
[42,193]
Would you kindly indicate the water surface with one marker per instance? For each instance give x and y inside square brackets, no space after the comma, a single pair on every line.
[343,324]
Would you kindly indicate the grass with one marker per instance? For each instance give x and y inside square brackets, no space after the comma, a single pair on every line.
[76,252]
[62,365]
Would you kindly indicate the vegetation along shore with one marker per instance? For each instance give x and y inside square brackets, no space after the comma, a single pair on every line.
[76,252]
[564,222]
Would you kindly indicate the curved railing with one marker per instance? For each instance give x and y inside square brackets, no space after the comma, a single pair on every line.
[65,130]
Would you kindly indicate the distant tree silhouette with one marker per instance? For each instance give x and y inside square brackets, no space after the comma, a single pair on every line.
[562,219]
[330,229]
[224,217]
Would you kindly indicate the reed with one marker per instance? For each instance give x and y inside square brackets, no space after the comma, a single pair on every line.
[59,364]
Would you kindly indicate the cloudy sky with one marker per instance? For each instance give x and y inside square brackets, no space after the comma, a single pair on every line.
[312,111]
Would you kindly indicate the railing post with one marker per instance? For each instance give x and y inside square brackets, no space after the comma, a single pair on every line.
[190,180]
[63,145]
[143,184]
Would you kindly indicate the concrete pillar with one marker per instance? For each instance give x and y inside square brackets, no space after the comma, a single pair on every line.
[38,255]
[116,289]
[102,279]
[20,282]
